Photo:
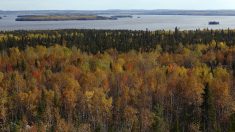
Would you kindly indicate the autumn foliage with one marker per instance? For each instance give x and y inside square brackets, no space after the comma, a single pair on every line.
[60,88]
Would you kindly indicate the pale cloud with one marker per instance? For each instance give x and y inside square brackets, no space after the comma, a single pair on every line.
[114,4]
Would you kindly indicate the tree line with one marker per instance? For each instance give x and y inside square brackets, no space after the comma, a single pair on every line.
[97,41]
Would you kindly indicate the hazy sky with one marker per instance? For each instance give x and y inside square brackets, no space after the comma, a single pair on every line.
[114,4]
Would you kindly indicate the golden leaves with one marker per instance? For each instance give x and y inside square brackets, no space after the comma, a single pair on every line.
[1,76]
[89,94]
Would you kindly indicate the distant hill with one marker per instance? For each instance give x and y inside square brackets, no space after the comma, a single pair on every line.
[172,12]
[128,12]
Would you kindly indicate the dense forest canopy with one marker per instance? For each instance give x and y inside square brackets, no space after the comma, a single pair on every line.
[94,41]
[117,80]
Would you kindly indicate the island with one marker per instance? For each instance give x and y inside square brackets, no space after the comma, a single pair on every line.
[121,16]
[61,17]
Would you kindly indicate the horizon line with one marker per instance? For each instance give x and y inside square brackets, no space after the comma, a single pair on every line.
[123,10]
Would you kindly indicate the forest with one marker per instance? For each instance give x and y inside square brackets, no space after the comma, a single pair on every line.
[117,81]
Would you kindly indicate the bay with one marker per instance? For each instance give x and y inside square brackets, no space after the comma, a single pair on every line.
[138,22]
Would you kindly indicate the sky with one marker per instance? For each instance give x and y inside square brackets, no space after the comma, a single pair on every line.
[115,4]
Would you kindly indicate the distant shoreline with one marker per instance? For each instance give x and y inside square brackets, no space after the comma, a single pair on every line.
[129,12]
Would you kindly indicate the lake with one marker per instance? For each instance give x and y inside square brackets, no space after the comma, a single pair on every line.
[138,22]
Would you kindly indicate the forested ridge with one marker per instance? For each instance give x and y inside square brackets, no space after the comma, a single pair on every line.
[117,81]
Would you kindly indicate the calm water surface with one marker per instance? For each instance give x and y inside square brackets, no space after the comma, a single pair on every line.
[150,22]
